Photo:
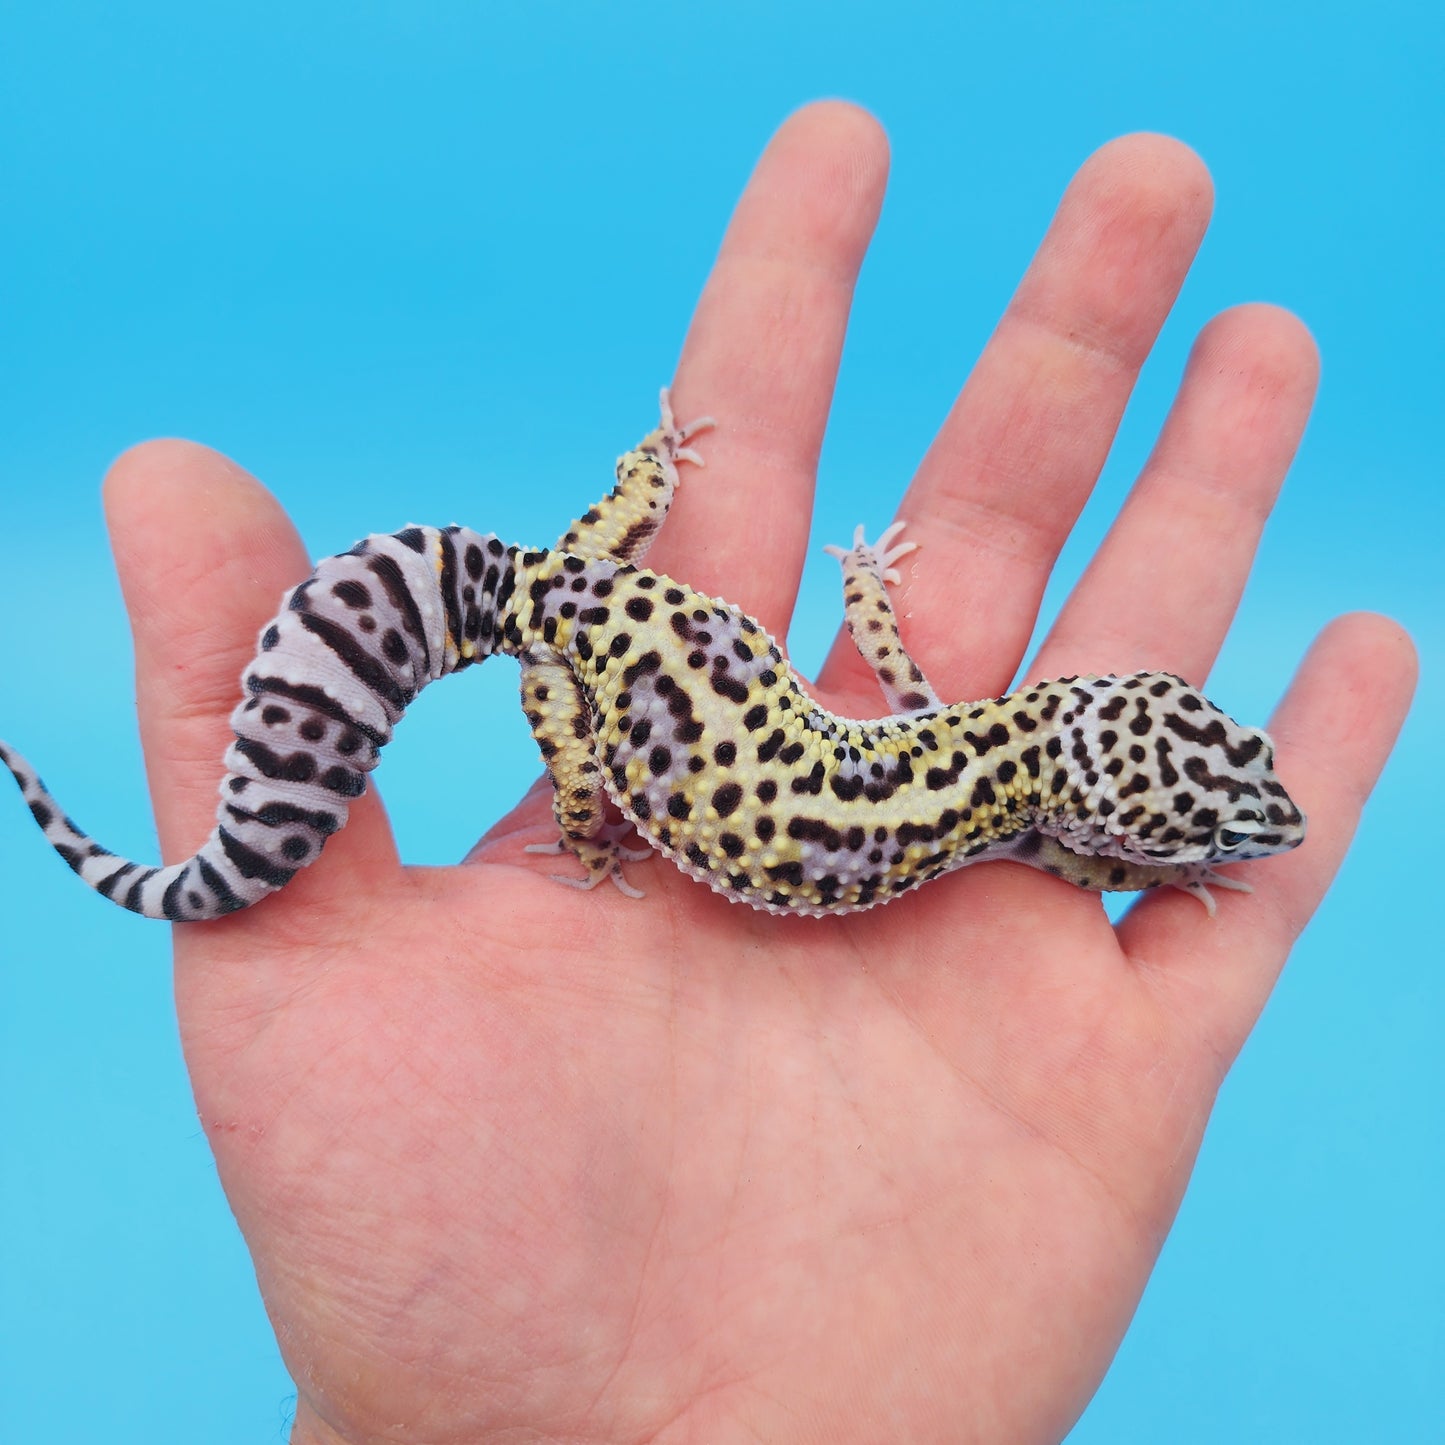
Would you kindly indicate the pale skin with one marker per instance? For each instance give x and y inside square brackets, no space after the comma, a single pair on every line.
[516,1162]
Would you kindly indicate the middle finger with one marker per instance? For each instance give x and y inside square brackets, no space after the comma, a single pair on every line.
[1014,462]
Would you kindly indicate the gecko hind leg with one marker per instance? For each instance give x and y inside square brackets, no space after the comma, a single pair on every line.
[867,569]
[560,720]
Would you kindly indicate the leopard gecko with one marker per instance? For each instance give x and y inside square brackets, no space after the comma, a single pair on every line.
[682,712]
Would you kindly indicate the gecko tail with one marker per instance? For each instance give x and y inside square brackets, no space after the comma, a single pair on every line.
[333,673]
[226,874]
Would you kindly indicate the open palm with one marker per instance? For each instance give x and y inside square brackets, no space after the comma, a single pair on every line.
[520,1162]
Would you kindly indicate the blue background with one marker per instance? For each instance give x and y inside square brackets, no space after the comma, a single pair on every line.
[385,256]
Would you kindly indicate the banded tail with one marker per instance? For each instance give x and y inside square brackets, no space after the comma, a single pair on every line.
[333,674]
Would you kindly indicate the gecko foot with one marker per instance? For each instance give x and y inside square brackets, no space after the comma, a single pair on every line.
[1198,886]
[673,439]
[880,554]
[602,857]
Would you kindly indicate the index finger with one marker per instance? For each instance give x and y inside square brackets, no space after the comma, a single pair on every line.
[762,356]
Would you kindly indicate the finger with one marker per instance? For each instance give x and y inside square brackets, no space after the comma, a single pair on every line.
[762,356]
[1009,471]
[205,554]
[1164,586]
[1333,731]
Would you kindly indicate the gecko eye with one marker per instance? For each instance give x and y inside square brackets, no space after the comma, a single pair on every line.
[1228,837]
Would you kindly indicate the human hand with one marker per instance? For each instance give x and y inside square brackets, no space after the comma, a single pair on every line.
[510,1158]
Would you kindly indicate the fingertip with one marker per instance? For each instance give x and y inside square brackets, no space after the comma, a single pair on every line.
[1152,172]
[1157,186]
[1268,343]
[1123,238]
[1381,640]
[148,479]
[841,126]
[1363,658]
[1349,698]
[825,169]
[143,469]
[198,505]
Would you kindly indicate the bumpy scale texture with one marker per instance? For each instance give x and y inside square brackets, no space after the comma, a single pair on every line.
[683,712]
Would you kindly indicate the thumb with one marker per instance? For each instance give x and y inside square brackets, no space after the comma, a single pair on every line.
[205,554]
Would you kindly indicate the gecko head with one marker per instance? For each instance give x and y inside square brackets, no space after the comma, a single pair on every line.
[1158,775]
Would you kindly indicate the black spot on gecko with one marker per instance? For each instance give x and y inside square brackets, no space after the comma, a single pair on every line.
[768,748]
[352,593]
[790,873]
[1168,775]
[649,662]
[813,783]
[394,647]
[729,687]
[251,864]
[727,798]
[298,767]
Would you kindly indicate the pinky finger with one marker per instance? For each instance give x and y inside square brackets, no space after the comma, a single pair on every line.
[1333,733]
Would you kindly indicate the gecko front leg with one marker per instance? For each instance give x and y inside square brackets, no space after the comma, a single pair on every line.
[620,526]
[623,524]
